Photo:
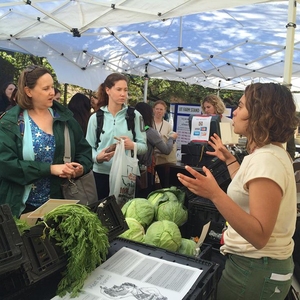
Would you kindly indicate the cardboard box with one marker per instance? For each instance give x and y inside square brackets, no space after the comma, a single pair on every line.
[32,217]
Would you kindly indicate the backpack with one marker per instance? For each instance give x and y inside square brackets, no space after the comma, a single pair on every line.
[130,115]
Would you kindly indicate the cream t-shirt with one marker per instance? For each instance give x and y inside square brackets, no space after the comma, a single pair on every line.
[271,162]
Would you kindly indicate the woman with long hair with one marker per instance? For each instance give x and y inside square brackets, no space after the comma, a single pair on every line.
[112,96]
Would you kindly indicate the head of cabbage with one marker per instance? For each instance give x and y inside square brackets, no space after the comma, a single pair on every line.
[187,247]
[164,234]
[139,209]
[135,232]
[172,211]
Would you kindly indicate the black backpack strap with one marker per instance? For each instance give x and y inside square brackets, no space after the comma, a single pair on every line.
[130,115]
[99,130]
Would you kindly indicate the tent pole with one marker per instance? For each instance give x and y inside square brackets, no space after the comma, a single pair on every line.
[290,37]
[146,80]
[65,94]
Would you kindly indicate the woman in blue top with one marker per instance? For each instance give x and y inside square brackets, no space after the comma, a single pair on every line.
[32,145]
[112,95]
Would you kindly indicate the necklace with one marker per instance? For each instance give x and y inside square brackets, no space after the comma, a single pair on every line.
[160,126]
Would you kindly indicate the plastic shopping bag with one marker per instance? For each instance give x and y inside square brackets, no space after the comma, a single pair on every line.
[123,173]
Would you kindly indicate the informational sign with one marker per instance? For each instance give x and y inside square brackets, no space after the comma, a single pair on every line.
[179,113]
[200,128]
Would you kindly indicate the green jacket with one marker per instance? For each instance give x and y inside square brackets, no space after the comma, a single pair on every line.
[15,172]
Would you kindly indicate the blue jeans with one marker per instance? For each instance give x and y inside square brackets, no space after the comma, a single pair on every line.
[255,279]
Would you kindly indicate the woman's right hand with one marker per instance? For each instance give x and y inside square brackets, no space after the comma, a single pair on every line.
[173,135]
[104,156]
[220,150]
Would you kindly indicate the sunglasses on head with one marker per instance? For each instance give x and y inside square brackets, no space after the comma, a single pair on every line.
[28,70]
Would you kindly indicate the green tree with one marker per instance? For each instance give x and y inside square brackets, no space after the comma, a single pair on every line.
[169,91]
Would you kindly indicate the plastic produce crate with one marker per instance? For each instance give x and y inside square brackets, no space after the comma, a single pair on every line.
[201,211]
[12,254]
[13,287]
[111,216]
[44,256]
[205,286]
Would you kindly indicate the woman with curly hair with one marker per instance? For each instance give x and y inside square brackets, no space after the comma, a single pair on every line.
[260,204]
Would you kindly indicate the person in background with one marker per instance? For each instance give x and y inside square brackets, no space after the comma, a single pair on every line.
[154,140]
[164,128]
[13,99]
[95,103]
[5,95]
[112,96]
[260,204]
[57,94]
[32,145]
[80,106]
[213,105]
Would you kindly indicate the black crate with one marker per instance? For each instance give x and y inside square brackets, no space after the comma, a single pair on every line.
[12,254]
[200,212]
[13,286]
[205,286]
[168,172]
[111,216]
[44,255]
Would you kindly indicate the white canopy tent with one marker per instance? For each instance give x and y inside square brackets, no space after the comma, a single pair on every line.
[218,44]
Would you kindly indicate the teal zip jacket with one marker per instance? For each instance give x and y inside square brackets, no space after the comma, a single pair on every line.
[15,172]
[114,126]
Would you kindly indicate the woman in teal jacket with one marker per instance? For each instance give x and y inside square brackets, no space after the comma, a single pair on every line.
[112,95]
[32,145]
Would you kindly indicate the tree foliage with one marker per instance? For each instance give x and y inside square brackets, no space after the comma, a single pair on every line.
[175,91]
[169,91]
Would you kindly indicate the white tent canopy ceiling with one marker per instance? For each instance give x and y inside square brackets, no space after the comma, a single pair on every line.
[218,44]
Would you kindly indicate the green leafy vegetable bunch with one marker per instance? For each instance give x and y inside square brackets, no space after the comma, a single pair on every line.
[84,240]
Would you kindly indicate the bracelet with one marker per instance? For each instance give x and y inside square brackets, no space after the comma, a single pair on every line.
[231,163]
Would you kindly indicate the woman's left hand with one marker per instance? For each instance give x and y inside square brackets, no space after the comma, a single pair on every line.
[202,185]
[128,143]
[76,169]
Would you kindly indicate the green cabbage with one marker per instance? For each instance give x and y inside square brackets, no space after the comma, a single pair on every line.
[187,247]
[172,211]
[139,209]
[135,232]
[162,195]
[156,197]
[164,234]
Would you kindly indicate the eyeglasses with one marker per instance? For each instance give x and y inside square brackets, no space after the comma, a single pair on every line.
[29,70]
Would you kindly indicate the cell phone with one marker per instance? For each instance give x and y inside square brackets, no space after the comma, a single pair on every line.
[111,148]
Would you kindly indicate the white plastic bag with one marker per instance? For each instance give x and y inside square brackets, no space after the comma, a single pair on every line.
[123,173]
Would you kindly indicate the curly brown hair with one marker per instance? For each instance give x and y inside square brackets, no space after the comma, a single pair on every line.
[272,113]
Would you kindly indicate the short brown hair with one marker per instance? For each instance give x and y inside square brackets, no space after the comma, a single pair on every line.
[272,113]
[163,103]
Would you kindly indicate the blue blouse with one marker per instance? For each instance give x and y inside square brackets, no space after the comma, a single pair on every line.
[43,148]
